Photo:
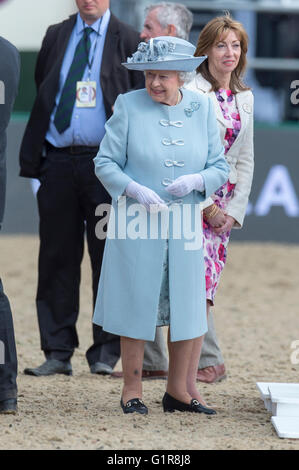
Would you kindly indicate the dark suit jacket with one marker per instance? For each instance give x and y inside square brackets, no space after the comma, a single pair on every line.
[121,41]
[9,77]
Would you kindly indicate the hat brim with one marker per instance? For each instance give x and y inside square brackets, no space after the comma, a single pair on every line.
[179,65]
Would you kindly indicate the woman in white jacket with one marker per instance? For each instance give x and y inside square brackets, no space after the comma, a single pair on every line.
[220,77]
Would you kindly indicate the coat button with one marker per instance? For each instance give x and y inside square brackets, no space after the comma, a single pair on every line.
[167,181]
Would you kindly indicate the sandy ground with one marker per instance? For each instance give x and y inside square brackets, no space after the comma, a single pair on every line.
[256,317]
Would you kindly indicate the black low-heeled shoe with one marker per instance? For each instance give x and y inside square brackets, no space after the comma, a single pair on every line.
[170,404]
[134,405]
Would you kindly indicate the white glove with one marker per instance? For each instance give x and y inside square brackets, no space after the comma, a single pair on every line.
[145,196]
[185,184]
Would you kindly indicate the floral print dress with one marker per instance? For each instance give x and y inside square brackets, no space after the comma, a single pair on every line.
[215,246]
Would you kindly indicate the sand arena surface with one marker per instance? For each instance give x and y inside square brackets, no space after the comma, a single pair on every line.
[256,317]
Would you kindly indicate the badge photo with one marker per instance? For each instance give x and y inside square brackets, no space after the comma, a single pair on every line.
[86,95]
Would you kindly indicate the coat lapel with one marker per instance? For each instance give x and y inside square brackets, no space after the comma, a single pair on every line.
[204,86]
[111,41]
[244,111]
[244,107]
[52,80]
[219,114]
[63,39]
[61,45]
[65,34]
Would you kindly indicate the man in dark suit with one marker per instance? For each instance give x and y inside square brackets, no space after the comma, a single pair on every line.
[78,77]
[9,80]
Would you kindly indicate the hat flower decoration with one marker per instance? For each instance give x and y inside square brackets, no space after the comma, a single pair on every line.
[164,53]
[151,52]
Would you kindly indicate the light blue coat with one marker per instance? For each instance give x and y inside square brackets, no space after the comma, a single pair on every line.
[153,144]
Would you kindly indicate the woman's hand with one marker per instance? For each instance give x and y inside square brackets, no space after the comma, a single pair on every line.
[185,184]
[145,196]
[217,220]
[227,226]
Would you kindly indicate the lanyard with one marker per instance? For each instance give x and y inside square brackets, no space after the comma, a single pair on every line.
[90,62]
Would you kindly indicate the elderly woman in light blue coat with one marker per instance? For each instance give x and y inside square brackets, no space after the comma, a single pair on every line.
[160,158]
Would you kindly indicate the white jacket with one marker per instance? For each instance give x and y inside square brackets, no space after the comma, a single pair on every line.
[240,155]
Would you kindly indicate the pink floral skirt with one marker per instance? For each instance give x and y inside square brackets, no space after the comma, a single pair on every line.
[215,246]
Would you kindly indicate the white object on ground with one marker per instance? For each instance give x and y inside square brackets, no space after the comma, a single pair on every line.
[263,388]
[286,426]
[279,390]
[284,399]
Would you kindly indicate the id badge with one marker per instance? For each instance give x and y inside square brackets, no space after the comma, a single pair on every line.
[86,94]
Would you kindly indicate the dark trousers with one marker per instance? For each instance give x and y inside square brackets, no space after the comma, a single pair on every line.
[8,355]
[67,199]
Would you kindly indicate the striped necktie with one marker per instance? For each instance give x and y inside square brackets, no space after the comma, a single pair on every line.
[65,106]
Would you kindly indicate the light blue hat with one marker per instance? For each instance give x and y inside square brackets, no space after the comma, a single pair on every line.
[164,53]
